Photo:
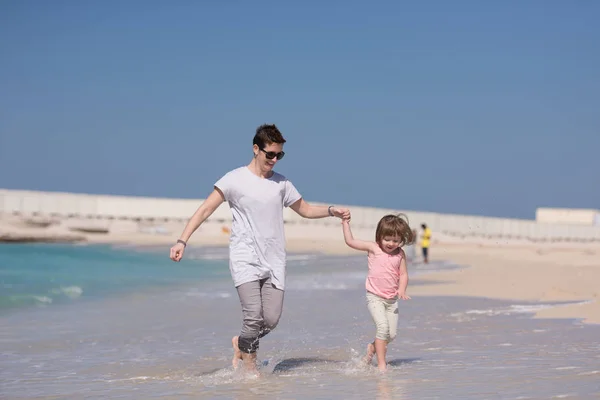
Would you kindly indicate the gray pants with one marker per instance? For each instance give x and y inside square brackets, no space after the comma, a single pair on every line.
[262,304]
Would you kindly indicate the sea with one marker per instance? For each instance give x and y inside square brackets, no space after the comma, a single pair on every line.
[123,322]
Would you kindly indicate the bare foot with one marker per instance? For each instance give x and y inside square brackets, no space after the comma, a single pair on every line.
[370,353]
[382,368]
[237,354]
[249,361]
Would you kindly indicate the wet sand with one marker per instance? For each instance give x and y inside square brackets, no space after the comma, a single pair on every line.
[177,345]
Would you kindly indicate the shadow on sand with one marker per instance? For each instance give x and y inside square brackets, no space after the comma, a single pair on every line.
[298,362]
[401,361]
[292,363]
[210,372]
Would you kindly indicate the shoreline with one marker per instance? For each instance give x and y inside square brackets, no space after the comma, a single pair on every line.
[502,271]
[513,273]
[526,274]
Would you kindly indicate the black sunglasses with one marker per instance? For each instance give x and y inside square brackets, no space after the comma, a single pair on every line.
[271,154]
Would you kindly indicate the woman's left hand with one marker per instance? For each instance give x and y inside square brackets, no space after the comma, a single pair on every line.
[342,213]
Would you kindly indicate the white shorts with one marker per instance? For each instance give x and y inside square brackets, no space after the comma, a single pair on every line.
[385,316]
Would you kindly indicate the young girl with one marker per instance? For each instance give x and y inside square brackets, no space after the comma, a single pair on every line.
[387,279]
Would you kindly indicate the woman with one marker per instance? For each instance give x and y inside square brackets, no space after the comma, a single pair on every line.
[257,259]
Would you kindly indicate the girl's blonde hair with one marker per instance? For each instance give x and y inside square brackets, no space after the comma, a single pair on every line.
[394,225]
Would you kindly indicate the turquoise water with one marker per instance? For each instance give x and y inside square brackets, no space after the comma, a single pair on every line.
[51,274]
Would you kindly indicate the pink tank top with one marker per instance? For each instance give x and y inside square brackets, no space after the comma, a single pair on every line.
[383,278]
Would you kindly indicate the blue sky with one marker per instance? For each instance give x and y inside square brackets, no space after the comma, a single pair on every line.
[489,108]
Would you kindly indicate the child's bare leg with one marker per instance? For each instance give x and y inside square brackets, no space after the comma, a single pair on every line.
[237,354]
[370,353]
[380,350]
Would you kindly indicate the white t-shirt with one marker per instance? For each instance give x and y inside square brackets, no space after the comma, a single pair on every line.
[257,241]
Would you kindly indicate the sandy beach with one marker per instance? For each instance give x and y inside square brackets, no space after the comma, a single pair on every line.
[565,275]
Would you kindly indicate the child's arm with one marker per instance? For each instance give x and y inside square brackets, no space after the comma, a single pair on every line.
[355,243]
[403,280]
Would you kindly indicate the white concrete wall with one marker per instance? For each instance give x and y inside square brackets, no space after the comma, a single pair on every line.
[569,216]
[444,226]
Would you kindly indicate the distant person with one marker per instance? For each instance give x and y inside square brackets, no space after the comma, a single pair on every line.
[386,281]
[257,196]
[425,241]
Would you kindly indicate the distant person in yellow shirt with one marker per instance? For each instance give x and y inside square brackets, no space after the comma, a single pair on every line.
[425,238]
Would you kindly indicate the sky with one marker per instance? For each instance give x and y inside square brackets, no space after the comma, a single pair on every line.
[468,107]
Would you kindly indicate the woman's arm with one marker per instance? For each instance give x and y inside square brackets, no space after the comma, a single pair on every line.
[212,202]
[355,243]
[307,210]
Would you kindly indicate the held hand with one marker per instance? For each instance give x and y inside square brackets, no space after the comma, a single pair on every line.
[177,252]
[403,296]
[342,213]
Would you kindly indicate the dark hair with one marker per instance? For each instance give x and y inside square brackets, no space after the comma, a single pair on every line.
[423,226]
[394,225]
[267,134]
